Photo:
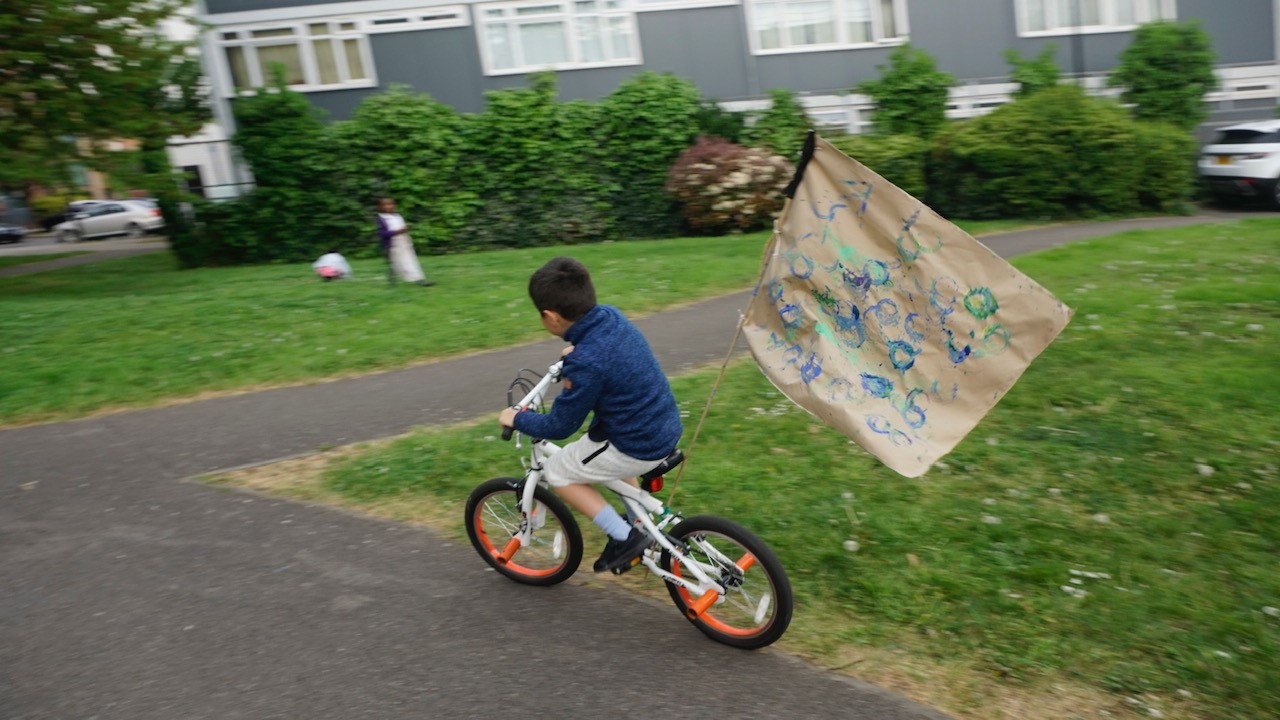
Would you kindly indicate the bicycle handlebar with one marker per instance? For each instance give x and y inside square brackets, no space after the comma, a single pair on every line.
[535,395]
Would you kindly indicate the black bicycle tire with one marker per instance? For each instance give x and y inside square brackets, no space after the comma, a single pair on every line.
[555,506]
[783,597]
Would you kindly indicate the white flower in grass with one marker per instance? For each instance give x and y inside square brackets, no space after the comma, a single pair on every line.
[1253,326]
[1056,492]
[1074,591]
[991,520]
[988,501]
[1204,469]
[1102,518]
[846,495]
[852,545]
[1271,612]
[993,441]
[1222,654]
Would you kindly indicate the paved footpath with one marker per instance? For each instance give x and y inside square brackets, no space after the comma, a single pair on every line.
[130,592]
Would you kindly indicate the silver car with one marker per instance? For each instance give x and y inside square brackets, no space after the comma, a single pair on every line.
[122,217]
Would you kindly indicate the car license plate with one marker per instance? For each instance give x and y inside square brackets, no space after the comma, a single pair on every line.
[1224,159]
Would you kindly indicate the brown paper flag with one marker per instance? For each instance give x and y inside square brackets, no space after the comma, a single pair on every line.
[886,321]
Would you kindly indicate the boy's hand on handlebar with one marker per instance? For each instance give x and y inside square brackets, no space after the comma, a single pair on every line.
[507,418]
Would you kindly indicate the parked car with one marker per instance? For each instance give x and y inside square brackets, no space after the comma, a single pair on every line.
[110,218]
[75,206]
[1243,161]
[11,233]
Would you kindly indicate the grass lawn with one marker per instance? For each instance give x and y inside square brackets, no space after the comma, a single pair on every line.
[11,260]
[1106,542]
[137,331]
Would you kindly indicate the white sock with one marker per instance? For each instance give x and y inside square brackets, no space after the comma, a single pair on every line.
[612,523]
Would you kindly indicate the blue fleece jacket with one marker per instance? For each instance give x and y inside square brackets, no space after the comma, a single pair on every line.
[613,373]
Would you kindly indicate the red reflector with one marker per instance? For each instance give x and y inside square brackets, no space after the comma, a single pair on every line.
[655,484]
[155,211]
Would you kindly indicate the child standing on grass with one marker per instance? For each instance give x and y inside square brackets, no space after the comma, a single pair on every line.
[396,244]
[609,370]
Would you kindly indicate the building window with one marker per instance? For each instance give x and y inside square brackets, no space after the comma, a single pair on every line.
[525,36]
[1059,17]
[800,25]
[313,55]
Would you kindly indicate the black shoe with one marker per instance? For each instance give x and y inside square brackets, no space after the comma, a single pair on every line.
[621,555]
[425,283]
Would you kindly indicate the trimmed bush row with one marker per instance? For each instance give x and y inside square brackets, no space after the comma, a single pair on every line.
[533,171]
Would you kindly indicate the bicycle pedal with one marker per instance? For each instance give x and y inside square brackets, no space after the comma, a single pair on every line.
[634,562]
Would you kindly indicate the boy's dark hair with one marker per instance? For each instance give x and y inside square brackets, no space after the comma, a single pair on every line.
[563,285]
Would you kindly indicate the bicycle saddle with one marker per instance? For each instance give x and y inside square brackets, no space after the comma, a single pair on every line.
[653,478]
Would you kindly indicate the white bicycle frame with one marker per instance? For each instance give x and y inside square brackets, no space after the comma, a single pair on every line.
[704,585]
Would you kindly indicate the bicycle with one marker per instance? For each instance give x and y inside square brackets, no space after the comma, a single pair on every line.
[723,578]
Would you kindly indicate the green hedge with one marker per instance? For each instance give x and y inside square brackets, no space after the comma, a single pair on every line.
[533,171]
[900,159]
[528,171]
[1058,153]
[1167,180]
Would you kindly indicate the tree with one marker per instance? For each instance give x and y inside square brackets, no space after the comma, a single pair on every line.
[910,95]
[1166,71]
[94,71]
[783,126]
[536,165]
[407,146]
[1035,74]
[715,121]
[296,210]
[646,123]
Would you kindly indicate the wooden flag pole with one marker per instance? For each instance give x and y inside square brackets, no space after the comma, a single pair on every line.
[768,249]
[806,154]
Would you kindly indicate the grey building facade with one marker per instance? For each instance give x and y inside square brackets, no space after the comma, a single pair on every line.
[338,52]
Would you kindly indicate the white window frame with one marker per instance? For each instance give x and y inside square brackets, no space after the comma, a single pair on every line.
[654,5]
[300,37]
[341,28]
[841,41]
[433,18]
[1110,23]
[565,16]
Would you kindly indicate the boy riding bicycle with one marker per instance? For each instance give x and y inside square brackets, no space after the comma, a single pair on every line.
[610,371]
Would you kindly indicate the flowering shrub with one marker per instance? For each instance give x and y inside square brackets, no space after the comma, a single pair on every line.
[722,187]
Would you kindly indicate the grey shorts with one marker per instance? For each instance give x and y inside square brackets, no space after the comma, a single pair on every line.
[587,461]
